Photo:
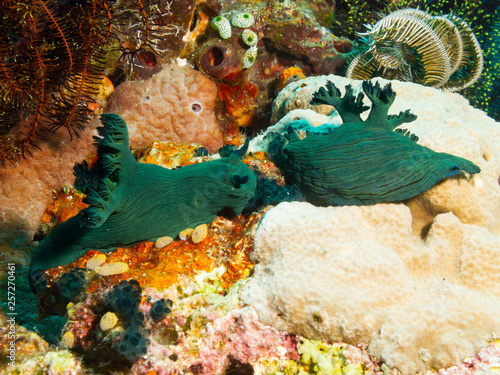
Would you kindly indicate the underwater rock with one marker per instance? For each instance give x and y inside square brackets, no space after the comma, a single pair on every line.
[298,96]
[363,162]
[124,211]
[356,274]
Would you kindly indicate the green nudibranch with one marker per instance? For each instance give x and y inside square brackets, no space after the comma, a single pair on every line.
[132,202]
[363,162]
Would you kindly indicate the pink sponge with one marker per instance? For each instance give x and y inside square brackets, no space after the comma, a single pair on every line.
[176,104]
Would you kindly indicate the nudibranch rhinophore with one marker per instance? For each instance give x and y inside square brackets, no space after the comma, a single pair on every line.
[130,202]
[362,162]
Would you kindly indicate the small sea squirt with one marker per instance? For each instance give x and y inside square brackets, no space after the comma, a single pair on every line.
[132,202]
[363,162]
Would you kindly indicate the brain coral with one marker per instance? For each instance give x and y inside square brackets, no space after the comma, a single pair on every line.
[356,274]
[176,104]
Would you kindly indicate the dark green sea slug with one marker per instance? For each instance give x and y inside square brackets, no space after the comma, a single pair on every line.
[363,162]
[132,202]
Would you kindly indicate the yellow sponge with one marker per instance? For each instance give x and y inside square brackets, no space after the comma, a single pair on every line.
[199,233]
[163,241]
[68,340]
[96,261]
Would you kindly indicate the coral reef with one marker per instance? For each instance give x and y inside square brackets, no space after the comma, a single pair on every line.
[187,339]
[209,330]
[25,191]
[362,162]
[282,43]
[411,286]
[177,104]
[356,274]
[55,54]
[122,212]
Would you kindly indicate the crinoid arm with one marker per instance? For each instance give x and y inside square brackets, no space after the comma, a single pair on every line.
[363,66]
[349,107]
[470,68]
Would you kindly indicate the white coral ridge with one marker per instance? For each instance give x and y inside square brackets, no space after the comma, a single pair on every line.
[355,274]
[419,283]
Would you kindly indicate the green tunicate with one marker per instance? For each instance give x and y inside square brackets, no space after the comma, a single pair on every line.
[132,202]
[249,57]
[243,20]
[222,25]
[363,162]
[249,37]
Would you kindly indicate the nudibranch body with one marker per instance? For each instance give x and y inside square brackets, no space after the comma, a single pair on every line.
[132,202]
[362,162]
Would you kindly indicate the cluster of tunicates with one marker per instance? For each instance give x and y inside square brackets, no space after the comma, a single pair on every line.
[125,299]
[160,309]
[71,284]
[249,37]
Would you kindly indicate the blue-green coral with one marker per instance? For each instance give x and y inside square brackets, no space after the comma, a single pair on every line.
[362,162]
[132,202]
